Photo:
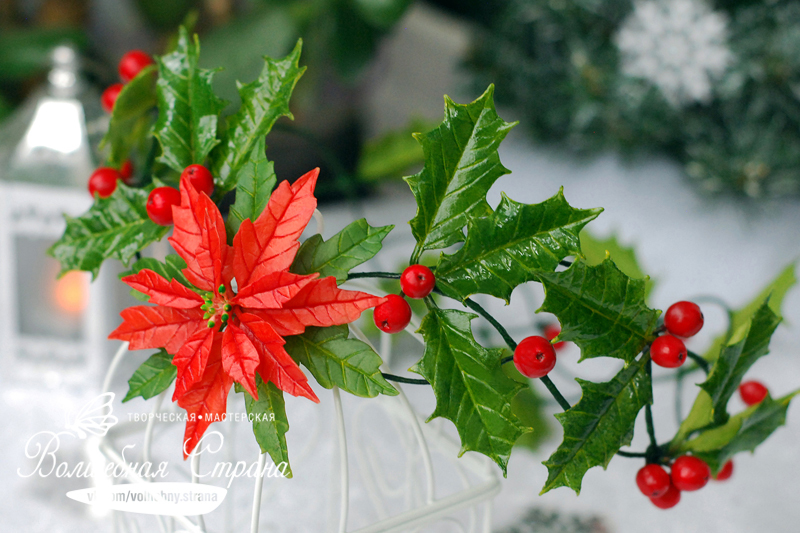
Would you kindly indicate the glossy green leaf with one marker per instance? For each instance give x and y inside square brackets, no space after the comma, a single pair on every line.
[598,425]
[471,389]
[700,416]
[511,246]
[530,408]
[749,343]
[115,227]
[595,251]
[270,423]
[131,117]
[188,109]
[153,377]
[600,309]
[335,360]
[354,245]
[461,164]
[264,101]
[171,268]
[253,189]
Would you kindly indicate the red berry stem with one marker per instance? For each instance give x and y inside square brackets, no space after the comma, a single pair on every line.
[401,379]
[699,361]
[385,275]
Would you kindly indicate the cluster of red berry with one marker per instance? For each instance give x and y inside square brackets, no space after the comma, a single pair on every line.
[393,315]
[687,473]
[682,320]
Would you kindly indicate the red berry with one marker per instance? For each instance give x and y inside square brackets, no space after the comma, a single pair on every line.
[159,204]
[109,97]
[417,281]
[393,315]
[752,392]
[690,473]
[534,357]
[126,171]
[725,472]
[200,177]
[668,499]
[683,319]
[652,480]
[132,63]
[551,331]
[103,181]
[668,351]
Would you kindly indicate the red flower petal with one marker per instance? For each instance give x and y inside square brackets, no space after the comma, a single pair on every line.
[276,365]
[206,401]
[191,360]
[240,358]
[320,303]
[163,292]
[270,243]
[146,326]
[272,290]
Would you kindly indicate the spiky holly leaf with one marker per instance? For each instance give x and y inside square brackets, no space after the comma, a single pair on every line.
[263,102]
[511,246]
[270,423]
[595,251]
[153,377]
[115,227]
[461,164]
[749,343]
[256,181]
[471,389]
[354,245]
[188,109]
[335,360]
[131,117]
[743,432]
[171,268]
[600,309]
[598,425]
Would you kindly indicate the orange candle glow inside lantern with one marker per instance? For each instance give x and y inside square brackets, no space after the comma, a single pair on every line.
[72,292]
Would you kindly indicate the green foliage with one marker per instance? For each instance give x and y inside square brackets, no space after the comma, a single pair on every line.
[254,186]
[596,250]
[115,227]
[392,154]
[335,360]
[131,117]
[511,246]
[270,424]
[264,101]
[171,268]
[461,164]
[188,108]
[600,309]
[530,408]
[471,389]
[27,52]
[153,377]
[599,425]
[354,245]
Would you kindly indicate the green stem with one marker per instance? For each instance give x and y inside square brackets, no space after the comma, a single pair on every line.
[648,411]
[555,392]
[401,379]
[386,275]
[632,454]
[702,363]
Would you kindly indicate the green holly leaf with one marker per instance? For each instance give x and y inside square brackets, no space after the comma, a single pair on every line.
[253,189]
[131,116]
[461,164]
[263,102]
[270,423]
[153,377]
[598,425]
[600,309]
[392,154]
[171,268]
[749,343]
[114,227]
[511,246]
[471,389]
[354,245]
[335,360]
[595,251]
[188,109]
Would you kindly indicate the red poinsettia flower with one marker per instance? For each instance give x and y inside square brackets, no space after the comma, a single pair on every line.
[230,324]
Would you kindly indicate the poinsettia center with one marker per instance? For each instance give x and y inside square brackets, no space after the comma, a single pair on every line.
[216,306]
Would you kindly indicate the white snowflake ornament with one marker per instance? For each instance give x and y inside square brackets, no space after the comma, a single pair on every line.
[679,46]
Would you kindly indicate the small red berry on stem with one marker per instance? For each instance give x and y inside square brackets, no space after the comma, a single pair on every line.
[159,204]
[653,480]
[200,177]
[132,63]
[551,331]
[109,97]
[669,499]
[103,182]
[534,357]
[725,472]
[668,351]
[689,473]
[417,281]
[752,392]
[683,319]
[393,315]
[126,171]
